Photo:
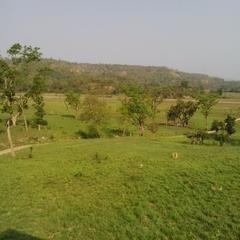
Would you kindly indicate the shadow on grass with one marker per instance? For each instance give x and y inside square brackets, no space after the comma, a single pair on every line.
[11,234]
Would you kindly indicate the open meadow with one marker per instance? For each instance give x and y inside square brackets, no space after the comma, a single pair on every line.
[117,187]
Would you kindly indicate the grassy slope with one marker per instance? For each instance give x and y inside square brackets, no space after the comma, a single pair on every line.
[131,190]
[122,188]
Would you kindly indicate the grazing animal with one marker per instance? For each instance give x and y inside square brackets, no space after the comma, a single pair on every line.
[174,155]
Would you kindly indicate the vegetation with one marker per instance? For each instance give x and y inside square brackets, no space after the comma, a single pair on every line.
[72,100]
[106,78]
[206,102]
[119,169]
[14,105]
[136,106]
[36,95]
[181,113]
[94,110]
[122,188]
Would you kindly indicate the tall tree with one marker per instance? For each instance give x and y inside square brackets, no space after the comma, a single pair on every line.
[36,92]
[72,100]
[206,103]
[155,94]
[9,70]
[22,104]
[94,110]
[136,106]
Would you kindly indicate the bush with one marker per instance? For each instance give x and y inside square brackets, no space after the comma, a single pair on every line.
[111,132]
[197,137]
[229,124]
[34,123]
[220,137]
[217,126]
[92,132]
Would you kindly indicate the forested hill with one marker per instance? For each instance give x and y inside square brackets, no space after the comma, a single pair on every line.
[75,73]
[65,75]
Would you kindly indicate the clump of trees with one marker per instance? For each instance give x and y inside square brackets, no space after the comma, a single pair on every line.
[224,129]
[221,132]
[181,113]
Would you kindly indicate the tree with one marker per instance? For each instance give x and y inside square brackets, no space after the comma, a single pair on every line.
[182,112]
[206,103]
[155,95]
[22,103]
[35,92]
[230,122]
[72,100]
[136,106]
[11,103]
[223,129]
[94,110]
[218,126]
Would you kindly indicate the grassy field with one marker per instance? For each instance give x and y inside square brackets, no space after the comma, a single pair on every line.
[122,187]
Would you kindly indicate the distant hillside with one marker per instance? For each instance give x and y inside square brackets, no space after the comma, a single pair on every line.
[78,73]
[65,76]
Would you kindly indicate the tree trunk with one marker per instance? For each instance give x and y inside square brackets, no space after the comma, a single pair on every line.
[39,127]
[141,129]
[124,131]
[25,123]
[206,119]
[10,138]
[76,114]
[14,119]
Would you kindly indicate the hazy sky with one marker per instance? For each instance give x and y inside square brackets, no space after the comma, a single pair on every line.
[190,35]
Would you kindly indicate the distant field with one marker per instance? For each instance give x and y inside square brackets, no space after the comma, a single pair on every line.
[122,187]
[62,125]
[231,95]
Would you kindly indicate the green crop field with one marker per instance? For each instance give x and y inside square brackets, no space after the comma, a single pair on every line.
[120,187]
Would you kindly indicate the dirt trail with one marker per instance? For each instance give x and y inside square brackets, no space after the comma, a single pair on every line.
[6,151]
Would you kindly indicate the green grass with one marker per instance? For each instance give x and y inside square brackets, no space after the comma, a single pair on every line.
[121,188]
[127,188]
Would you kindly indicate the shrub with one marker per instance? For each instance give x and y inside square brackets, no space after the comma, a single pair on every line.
[197,137]
[220,137]
[111,132]
[217,125]
[229,124]
[92,132]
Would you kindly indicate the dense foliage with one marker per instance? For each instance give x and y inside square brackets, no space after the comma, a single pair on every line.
[181,113]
